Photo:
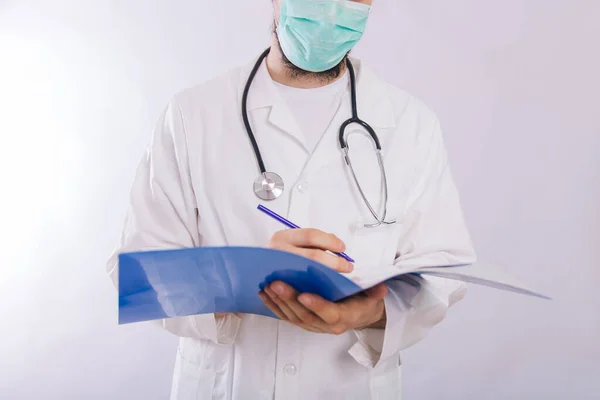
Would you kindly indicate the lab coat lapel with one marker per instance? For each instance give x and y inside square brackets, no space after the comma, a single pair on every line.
[374,107]
[264,94]
[281,117]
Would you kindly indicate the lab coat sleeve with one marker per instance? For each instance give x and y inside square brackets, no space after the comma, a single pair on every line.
[434,233]
[162,214]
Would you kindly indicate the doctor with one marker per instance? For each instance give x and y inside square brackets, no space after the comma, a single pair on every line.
[279,118]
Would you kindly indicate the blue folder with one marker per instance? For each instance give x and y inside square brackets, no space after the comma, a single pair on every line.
[175,283]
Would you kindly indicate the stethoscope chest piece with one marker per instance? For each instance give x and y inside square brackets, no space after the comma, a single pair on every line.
[268,186]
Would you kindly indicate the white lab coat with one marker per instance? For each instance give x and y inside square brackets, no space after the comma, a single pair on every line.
[194,188]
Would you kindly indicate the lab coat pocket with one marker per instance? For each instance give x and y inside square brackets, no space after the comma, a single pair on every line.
[191,381]
[201,370]
[372,246]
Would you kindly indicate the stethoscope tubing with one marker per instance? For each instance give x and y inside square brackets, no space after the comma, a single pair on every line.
[276,181]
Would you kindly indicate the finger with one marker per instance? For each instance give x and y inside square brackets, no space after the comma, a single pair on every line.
[286,313]
[329,312]
[377,292]
[330,260]
[272,306]
[311,238]
[289,296]
[290,315]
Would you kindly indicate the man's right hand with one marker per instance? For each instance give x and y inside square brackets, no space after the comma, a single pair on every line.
[313,244]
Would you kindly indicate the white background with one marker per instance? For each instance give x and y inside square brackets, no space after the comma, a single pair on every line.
[515,84]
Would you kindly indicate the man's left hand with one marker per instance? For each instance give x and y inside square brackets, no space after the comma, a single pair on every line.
[315,314]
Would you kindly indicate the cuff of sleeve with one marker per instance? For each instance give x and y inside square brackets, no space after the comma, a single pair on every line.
[413,306]
[377,346]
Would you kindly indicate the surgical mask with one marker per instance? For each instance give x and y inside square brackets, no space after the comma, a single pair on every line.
[315,35]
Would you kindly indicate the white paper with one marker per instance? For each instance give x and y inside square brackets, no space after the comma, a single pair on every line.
[478,273]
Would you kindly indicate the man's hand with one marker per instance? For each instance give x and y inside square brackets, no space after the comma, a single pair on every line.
[313,244]
[309,243]
[315,314]
[310,311]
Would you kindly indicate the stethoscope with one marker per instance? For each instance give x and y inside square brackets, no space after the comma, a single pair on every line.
[269,185]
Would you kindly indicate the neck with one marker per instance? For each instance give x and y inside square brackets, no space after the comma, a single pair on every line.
[285,74]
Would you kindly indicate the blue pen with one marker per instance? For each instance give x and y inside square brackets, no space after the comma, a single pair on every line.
[290,224]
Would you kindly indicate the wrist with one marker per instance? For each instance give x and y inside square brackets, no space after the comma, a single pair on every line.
[380,319]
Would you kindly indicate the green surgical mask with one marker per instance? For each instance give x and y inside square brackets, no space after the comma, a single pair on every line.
[315,35]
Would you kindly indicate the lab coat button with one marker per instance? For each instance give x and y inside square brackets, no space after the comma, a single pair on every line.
[302,187]
[290,369]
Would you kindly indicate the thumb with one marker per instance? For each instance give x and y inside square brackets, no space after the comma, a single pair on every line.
[377,292]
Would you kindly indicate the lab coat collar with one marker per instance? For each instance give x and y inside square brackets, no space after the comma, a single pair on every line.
[374,105]
[264,94]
